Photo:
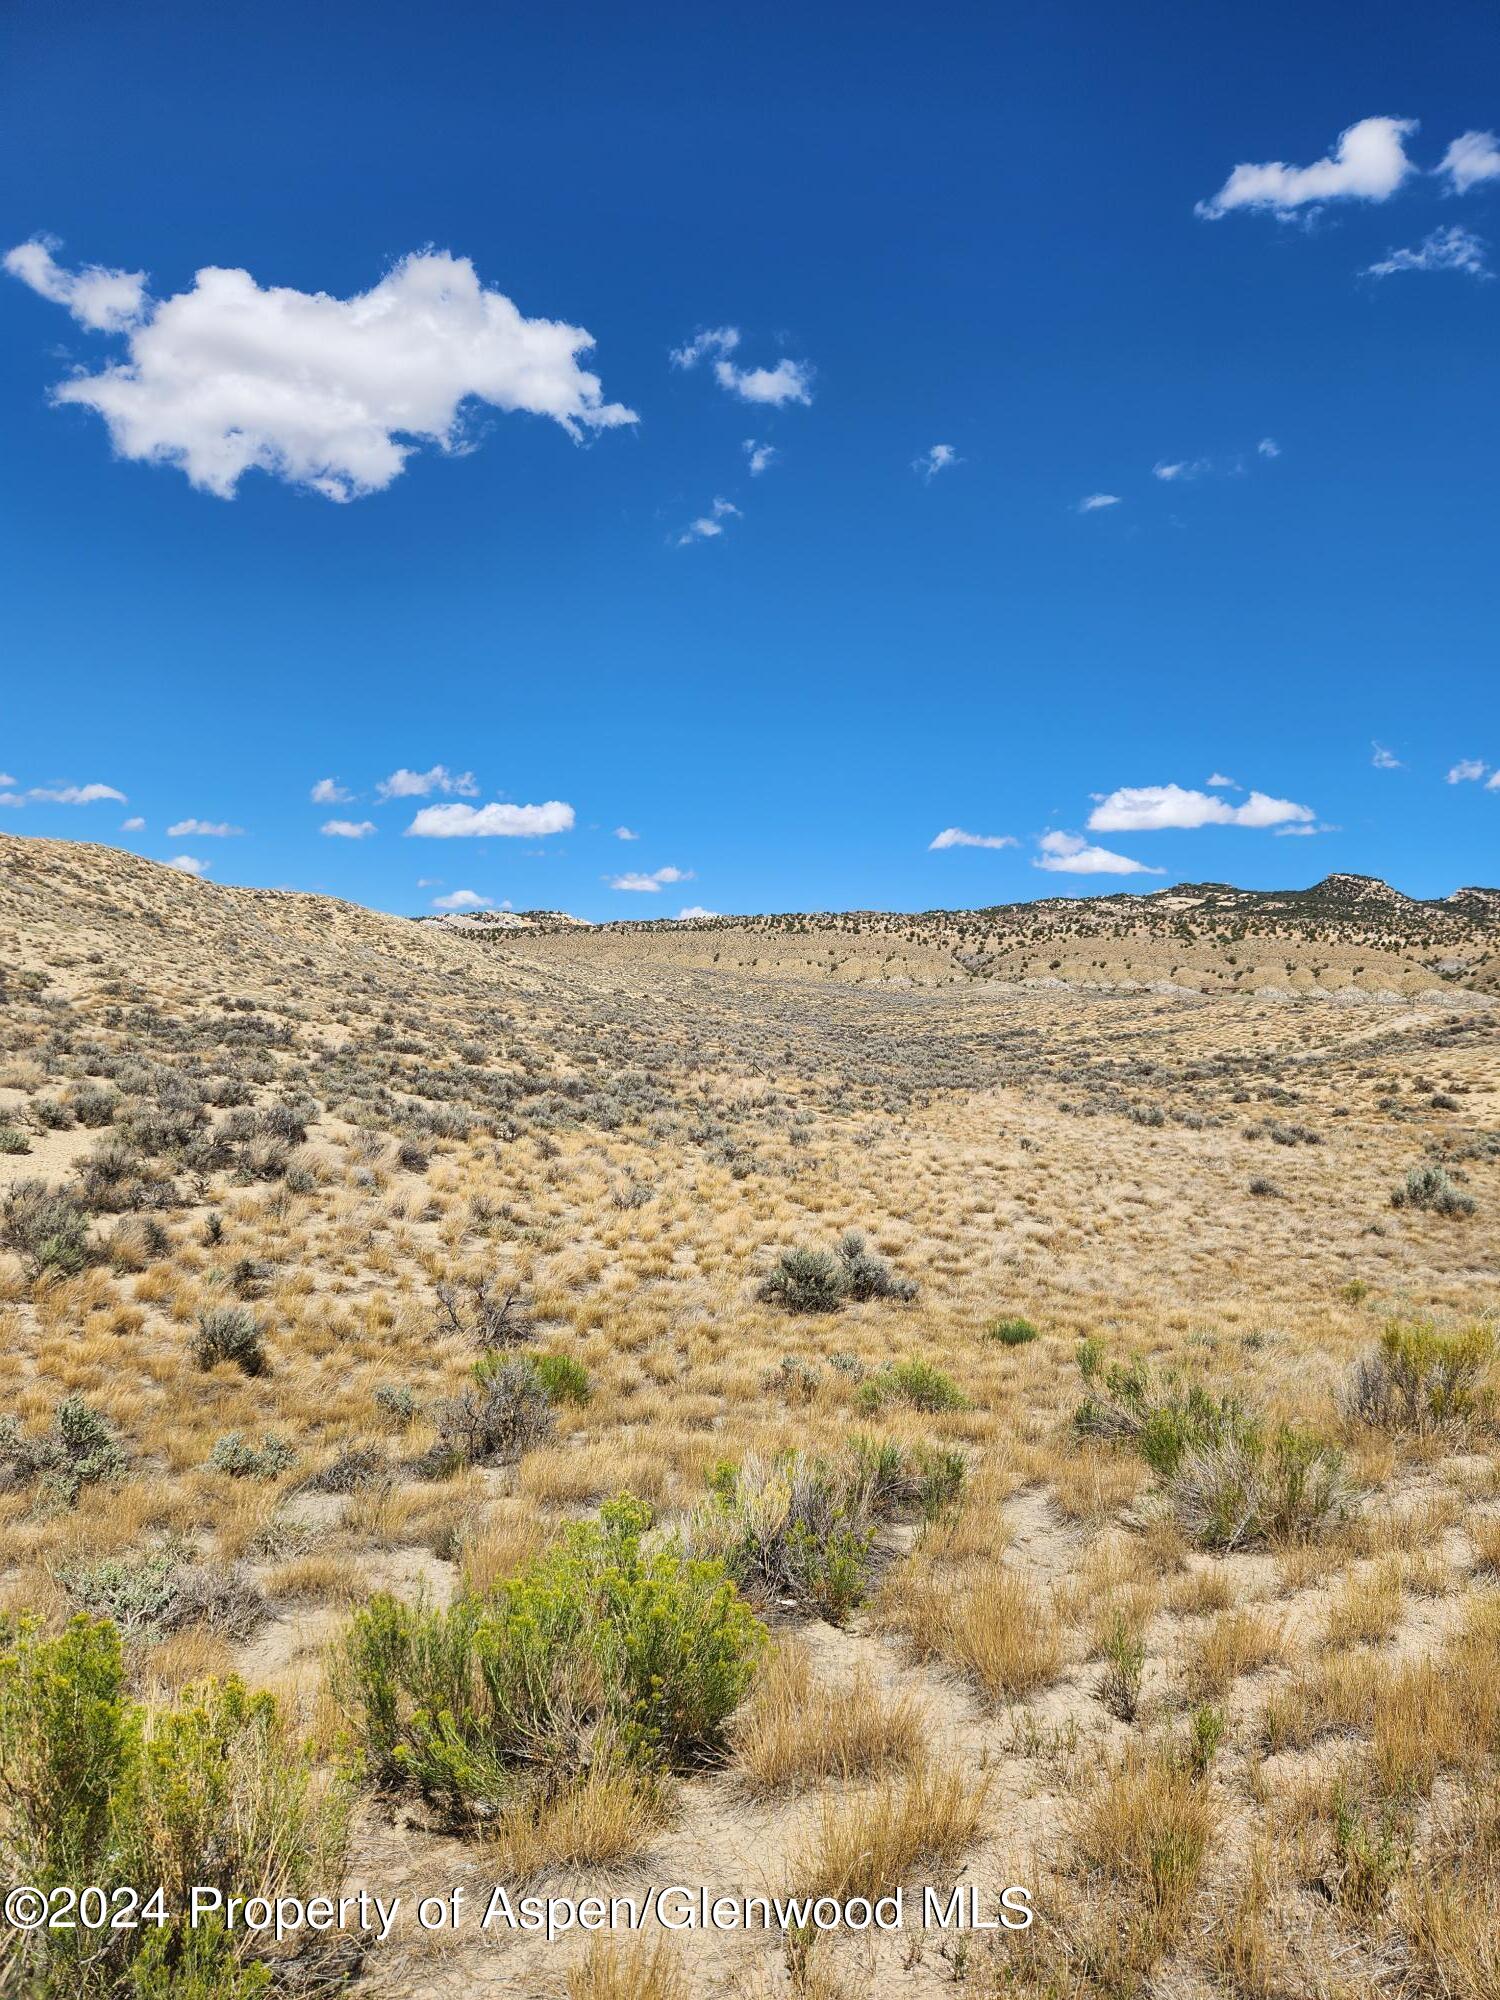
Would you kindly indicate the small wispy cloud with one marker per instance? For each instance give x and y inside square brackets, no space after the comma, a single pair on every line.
[625,833]
[652,884]
[329,792]
[73,795]
[1292,832]
[404,784]
[202,829]
[1181,468]
[708,340]
[1451,249]
[1092,502]
[1071,854]
[694,910]
[954,836]
[135,824]
[709,525]
[1383,759]
[1468,770]
[104,301]
[1471,158]
[937,458]
[1229,784]
[788,382]
[759,456]
[347,829]
[1269,448]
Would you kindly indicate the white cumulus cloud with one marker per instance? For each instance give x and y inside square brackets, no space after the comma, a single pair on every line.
[1369,163]
[1149,808]
[458,822]
[694,910]
[954,836]
[1467,771]
[185,864]
[404,784]
[1219,778]
[625,833]
[1070,854]
[1471,158]
[188,829]
[135,824]
[347,829]
[329,792]
[760,457]
[462,899]
[331,394]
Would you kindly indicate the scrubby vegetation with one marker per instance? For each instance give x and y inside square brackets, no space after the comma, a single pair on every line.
[601,1653]
[1231,1478]
[353,1266]
[96,1787]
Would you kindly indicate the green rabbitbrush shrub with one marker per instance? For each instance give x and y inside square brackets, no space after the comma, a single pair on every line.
[1231,1479]
[602,1639]
[1420,1379]
[96,1787]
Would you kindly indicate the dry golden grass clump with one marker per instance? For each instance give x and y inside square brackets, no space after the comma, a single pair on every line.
[793,1406]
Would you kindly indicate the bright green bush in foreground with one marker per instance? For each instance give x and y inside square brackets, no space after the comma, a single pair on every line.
[96,1787]
[601,1638]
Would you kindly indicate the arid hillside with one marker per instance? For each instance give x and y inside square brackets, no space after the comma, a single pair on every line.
[1348,935]
[1039,1385]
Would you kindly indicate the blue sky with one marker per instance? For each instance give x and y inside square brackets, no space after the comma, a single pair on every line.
[371,514]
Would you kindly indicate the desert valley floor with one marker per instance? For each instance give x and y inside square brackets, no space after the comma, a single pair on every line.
[1120,1518]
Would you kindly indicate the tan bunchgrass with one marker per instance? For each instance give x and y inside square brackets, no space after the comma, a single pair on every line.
[1366,1606]
[644,1969]
[797,1731]
[1236,1643]
[605,1814]
[868,1843]
[1146,1828]
[987,1622]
